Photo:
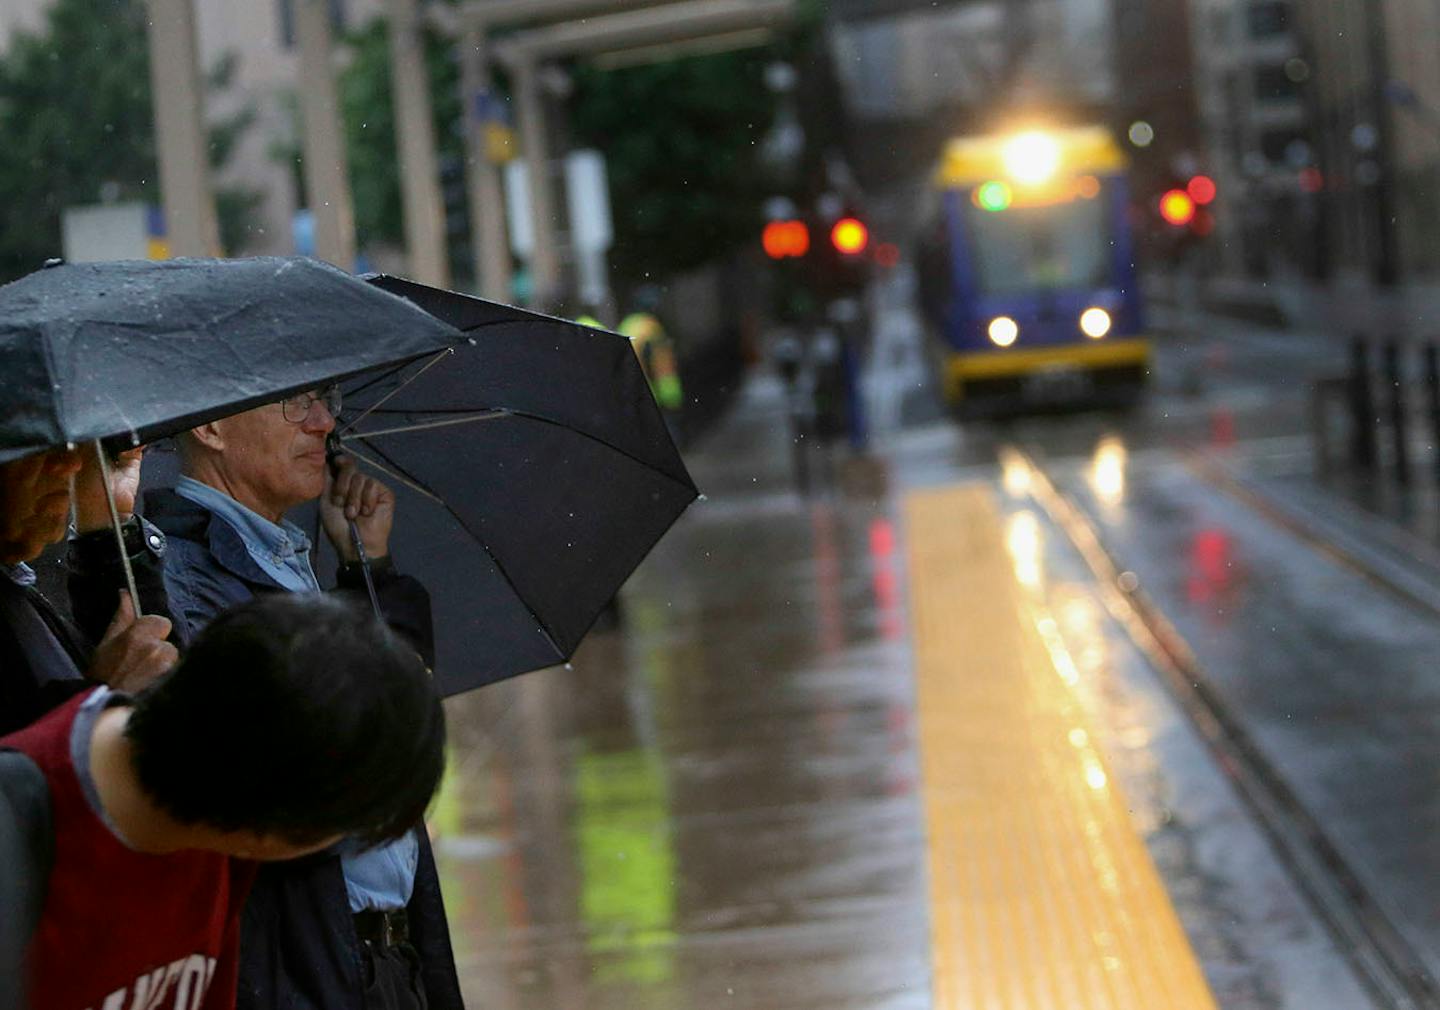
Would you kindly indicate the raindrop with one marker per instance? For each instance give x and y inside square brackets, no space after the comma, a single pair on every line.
[570,666]
[703,497]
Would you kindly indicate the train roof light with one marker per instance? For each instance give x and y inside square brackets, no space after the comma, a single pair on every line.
[1032,158]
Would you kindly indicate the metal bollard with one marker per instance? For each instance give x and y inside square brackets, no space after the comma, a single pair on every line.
[1362,407]
[1432,399]
[1398,420]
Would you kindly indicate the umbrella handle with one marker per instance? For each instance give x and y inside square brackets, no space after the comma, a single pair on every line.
[332,453]
[115,525]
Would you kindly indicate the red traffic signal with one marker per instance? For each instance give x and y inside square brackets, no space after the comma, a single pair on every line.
[1201,189]
[1177,207]
[785,239]
[849,236]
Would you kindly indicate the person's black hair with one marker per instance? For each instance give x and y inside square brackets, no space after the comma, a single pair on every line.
[296,715]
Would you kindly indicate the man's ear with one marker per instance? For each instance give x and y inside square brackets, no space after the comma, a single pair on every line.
[211,436]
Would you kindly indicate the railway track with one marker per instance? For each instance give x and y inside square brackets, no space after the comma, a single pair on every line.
[1382,956]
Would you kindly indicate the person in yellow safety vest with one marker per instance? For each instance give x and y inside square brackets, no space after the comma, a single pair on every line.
[657,357]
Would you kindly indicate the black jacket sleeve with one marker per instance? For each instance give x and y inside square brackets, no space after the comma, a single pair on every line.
[430,933]
[404,600]
[96,575]
[27,850]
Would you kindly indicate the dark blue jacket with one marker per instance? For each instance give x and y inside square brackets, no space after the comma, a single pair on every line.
[298,948]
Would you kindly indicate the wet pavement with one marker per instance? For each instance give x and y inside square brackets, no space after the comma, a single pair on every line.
[718,805]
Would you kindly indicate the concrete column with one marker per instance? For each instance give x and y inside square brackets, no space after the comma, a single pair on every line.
[487,200]
[190,222]
[327,181]
[545,259]
[415,135]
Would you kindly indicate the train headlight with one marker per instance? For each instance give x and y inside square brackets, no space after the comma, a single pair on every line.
[1003,331]
[1031,158]
[1095,323]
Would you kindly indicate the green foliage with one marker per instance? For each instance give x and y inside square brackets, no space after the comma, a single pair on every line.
[370,127]
[681,141]
[76,118]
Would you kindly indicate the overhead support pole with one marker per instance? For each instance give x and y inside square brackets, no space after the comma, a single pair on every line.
[651,26]
[486,14]
[327,179]
[415,133]
[191,225]
[534,132]
[482,174]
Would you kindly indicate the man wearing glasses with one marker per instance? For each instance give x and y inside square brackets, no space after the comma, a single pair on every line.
[364,930]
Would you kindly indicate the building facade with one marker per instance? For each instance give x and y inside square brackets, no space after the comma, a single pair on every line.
[259,39]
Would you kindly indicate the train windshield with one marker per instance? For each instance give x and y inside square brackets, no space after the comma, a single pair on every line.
[1057,246]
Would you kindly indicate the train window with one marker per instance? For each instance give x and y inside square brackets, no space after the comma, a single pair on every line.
[1056,247]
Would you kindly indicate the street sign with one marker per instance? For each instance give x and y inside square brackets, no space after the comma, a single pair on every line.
[587,195]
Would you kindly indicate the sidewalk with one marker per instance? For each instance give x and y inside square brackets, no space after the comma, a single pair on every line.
[1342,307]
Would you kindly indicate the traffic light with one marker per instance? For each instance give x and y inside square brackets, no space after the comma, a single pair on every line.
[840,268]
[1201,189]
[1177,207]
[786,240]
[849,236]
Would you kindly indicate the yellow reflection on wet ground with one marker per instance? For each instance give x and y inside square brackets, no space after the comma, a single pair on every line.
[1023,541]
[1106,475]
[627,864]
[1042,892]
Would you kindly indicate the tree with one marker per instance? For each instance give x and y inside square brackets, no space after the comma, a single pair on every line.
[682,146]
[76,116]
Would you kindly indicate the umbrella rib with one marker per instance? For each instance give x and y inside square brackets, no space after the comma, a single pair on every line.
[418,489]
[419,485]
[395,392]
[427,425]
[501,412]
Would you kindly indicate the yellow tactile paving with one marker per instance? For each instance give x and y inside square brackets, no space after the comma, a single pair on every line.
[1043,896]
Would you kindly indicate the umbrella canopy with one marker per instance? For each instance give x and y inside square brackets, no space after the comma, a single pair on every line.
[534,472]
[132,351]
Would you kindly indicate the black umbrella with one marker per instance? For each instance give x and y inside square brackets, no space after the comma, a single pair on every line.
[131,351]
[534,472]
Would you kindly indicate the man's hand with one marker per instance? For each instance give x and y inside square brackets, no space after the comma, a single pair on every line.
[352,495]
[133,652]
[91,510]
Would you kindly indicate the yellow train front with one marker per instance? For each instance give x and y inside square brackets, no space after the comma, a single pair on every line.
[1027,272]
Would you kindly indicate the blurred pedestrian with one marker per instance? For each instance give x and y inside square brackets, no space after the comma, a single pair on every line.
[291,722]
[658,359]
[349,927]
[44,658]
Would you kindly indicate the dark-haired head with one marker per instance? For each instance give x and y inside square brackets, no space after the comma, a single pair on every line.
[295,716]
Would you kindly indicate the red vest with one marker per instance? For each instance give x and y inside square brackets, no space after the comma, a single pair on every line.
[124,930]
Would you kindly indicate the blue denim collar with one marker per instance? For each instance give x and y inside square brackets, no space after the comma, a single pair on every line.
[281,551]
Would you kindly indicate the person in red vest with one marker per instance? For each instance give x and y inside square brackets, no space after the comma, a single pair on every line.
[292,721]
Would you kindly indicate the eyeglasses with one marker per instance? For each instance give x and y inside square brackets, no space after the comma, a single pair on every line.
[296,408]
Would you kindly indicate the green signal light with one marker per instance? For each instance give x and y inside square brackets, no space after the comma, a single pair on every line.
[994,196]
